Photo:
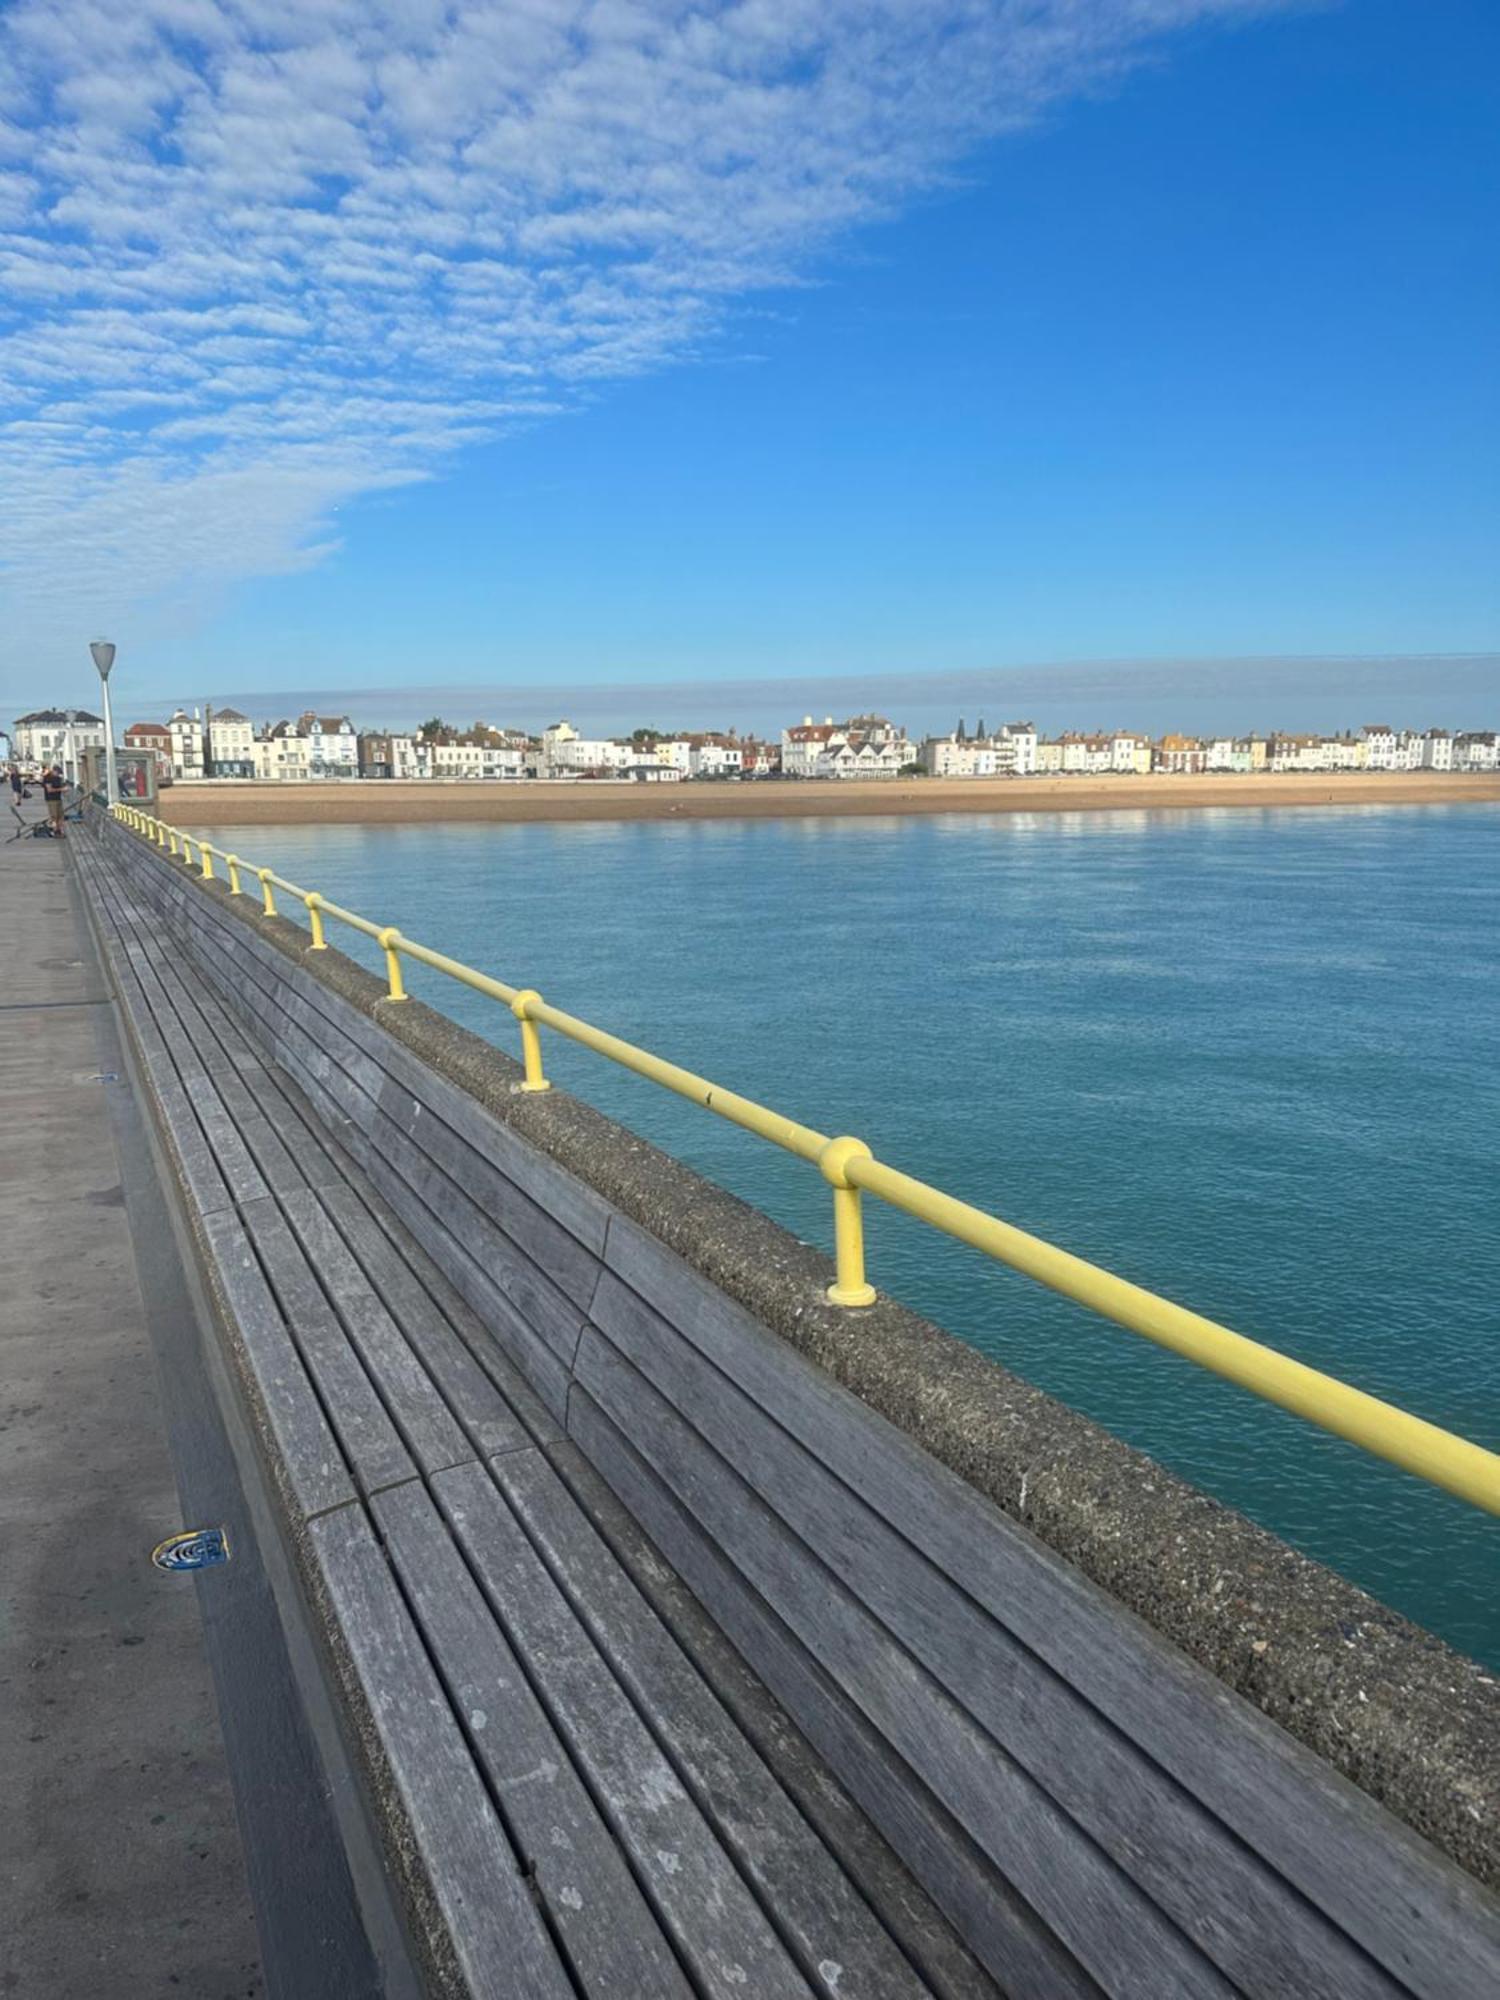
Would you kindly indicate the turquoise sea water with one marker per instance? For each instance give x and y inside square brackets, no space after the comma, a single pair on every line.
[1250,1058]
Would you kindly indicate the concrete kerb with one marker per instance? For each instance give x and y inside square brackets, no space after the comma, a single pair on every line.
[1411,1722]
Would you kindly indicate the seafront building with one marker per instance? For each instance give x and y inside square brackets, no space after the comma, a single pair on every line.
[866,746]
[231,744]
[57,736]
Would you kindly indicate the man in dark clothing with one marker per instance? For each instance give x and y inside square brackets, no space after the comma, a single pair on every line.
[53,786]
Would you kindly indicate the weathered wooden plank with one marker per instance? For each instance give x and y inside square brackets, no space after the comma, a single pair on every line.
[312,1470]
[298,1126]
[564,1198]
[220,1023]
[184,1055]
[195,1162]
[720,1931]
[608,1931]
[189,997]
[487,1419]
[1420,1917]
[569,1264]
[364,1429]
[929,1940]
[1003,1930]
[803,1888]
[230,1153]
[460,1315]
[1260,1933]
[1111,1926]
[537,1361]
[541,1307]
[241,1175]
[414,1401]
[451,1840]
[267,1147]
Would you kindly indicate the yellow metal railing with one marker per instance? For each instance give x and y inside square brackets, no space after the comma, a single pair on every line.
[1449,1461]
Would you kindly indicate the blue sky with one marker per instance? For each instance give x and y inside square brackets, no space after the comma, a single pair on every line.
[777,341]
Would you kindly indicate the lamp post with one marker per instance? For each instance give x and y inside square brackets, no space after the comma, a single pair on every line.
[104,658]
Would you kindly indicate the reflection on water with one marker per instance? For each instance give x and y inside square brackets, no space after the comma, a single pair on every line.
[1248,1056]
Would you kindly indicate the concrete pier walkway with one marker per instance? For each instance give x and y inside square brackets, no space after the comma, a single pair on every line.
[121,1868]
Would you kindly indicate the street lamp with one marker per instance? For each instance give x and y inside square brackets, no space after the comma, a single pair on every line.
[104,658]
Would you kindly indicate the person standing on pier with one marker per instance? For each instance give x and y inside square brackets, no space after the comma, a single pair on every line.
[53,786]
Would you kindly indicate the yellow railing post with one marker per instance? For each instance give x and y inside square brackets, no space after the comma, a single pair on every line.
[531,1040]
[268,901]
[314,904]
[206,856]
[172,841]
[390,943]
[851,1288]
[232,863]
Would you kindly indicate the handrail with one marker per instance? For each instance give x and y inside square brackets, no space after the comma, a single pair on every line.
[1439,1456]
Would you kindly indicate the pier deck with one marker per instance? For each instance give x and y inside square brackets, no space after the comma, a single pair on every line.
[594,1792]
[122,1864]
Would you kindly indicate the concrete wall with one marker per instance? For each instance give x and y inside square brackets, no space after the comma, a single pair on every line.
[1111,1725]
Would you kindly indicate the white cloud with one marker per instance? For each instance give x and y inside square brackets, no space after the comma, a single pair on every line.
[258,257]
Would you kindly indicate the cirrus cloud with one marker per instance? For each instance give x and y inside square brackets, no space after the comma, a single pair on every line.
[258,257]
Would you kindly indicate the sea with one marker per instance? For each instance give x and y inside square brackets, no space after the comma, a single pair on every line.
[1249,1057]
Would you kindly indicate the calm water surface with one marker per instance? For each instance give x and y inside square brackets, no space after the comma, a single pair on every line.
[1248,1058]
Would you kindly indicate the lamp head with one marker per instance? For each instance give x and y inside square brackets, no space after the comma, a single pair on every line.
[104,656]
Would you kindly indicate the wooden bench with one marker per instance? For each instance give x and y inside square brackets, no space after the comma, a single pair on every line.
[578,1791]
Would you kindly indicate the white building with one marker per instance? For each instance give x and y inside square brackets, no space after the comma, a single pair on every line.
[1476,750]
[1297,753]
[57,736]
[714,757]
[186,732]
[1437,750]
[567,754]
[1380,746]
[866,746]
[282,753]
[674,750]
[1009,753]
[1346,753]
[332,745]
[1049,757]
[1130,753]
[947,757]
[1015,748]
[649,769]
[231,743]
[1388,749]
[411,757]
[1088,756]
[480,754]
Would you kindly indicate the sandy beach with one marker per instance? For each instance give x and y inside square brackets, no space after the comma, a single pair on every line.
[373,802]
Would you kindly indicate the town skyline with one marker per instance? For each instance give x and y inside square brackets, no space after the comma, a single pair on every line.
[220,743]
